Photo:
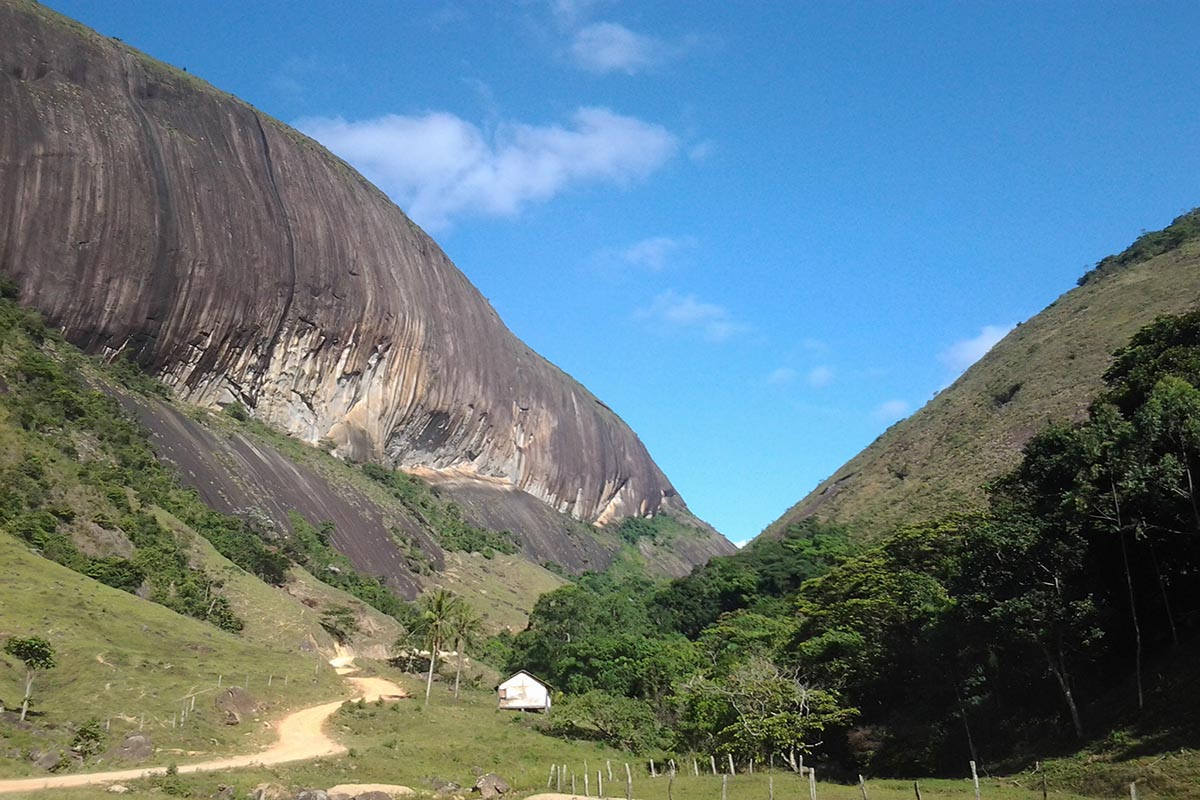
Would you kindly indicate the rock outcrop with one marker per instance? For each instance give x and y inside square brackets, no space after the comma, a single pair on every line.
[149,215]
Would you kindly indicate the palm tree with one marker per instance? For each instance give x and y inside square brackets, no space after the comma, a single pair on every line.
[433,626]
[465,625]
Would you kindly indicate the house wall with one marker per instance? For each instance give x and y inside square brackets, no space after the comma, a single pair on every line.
[522,691]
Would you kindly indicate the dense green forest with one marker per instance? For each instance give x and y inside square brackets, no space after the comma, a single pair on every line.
[1062,614]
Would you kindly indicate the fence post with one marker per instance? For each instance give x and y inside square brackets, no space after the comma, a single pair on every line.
[628,783]
[550,779]
[730,762]
[608,765]
[812,784]
[724,786]
[975,780]
[862,787]
[771,787]
[917,789]
[713,759]
[695,767]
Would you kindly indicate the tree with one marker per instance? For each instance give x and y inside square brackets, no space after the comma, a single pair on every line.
[761,708]
[37,655]
[436,609]
[465,626]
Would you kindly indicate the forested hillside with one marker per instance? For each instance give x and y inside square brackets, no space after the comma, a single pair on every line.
[1065,611]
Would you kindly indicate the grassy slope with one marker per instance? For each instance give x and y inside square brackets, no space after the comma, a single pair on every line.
[128,660]
[936,460]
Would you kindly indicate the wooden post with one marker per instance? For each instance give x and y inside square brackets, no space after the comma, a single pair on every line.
[572,783]
[730,762]
[270,679]
[695,767]
[771,787]
[219,679]
[108,723]
[608,765]
[653,772]
[193,708]
[671,783]
[724,786]
[812,784]
[862,787]
[752,766]
[550,780]
[672,763]
[771,762]
[600,784]
[975,780]
[587,789]
[917,789]
[628,783]
[1133,791]
[713,759]
[1044,793]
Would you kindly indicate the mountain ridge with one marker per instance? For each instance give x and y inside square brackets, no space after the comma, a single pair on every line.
[1047,368]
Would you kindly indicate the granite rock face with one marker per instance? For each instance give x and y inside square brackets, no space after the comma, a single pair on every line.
[147,214]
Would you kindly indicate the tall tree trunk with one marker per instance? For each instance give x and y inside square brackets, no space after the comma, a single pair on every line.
[962,710]
[28,694]
[1059,670]
[433,654]
[458,649]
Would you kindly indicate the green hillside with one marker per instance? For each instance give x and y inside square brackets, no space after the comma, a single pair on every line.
[1047,369]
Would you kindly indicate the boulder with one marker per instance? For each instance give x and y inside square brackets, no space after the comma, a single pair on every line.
[268,791]
[136,747]
[47,759]
[236,703]
[490,786]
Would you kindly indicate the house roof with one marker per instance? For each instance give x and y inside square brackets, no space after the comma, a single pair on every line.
[526,673]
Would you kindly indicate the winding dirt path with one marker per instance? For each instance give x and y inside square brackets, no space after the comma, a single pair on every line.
[301,737]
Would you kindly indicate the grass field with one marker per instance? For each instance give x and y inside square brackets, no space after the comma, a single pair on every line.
[407,744]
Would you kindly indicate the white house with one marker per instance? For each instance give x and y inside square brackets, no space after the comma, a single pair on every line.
[523,692]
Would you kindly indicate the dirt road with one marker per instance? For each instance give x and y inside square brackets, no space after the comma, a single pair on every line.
[301,737]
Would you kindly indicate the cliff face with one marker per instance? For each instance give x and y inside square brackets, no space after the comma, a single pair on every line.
[146,213]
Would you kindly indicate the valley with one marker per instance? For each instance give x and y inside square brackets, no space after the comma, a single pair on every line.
[283,500]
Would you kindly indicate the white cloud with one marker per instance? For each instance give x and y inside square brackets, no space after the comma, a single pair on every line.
[966,352]
[783,376]
[820,376]
[654,253]
[604,47]
[891,410]
[438,166]
[688,313]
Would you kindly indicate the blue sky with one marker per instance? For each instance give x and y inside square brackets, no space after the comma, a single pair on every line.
[761,232]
